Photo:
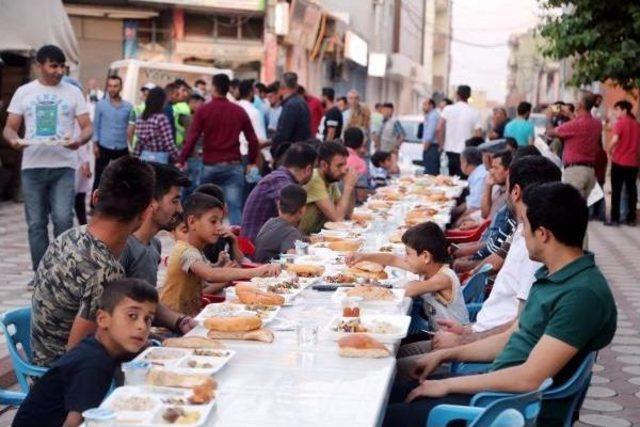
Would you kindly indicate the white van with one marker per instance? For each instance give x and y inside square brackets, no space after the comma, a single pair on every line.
[135,74]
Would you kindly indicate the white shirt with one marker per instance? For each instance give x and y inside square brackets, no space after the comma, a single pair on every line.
[257,121]
[512,285]
[49,113]
[461,120]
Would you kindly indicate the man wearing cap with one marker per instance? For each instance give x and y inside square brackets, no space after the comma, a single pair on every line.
[110,123]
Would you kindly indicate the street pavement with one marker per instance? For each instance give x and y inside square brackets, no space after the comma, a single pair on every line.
[613,399]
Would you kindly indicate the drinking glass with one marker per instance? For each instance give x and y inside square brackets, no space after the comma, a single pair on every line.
[307,333]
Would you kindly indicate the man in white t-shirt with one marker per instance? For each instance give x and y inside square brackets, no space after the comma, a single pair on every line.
[257,120]
[513,282]
[458,122]
[49,109]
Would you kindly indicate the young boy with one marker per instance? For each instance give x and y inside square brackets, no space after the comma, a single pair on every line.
[382,163]
[81,378]
[226,251]
[428,256]
[188,270]
[278,235]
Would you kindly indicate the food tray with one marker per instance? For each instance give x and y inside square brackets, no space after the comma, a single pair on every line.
[226,309]
[47,142]
[399,323]
[398,294]
[178,359]
[157,400]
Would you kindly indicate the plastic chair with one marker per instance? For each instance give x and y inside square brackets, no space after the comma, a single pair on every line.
[466,236]
[474,290]
[11,398]
[508,418]
[418,322]
[473,309]
[478,415]
[23,367]
[574,388]
[246,246]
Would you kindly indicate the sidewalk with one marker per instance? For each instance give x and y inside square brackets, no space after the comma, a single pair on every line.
[613,399]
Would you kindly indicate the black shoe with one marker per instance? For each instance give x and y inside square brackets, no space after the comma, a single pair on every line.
[630,223]
[612,223]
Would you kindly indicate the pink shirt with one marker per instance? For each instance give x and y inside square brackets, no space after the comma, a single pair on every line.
[626,151]
[354,161]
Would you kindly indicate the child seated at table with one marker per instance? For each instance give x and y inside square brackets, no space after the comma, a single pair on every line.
[382,164]
[188,271]
[278,235]
[426,255]
[81,378]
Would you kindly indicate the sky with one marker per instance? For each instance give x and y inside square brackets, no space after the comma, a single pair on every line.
[487,23]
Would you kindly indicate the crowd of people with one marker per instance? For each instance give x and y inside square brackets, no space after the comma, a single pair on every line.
[280,163]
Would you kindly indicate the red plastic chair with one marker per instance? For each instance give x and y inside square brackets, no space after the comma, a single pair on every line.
[246,246]
[466,236]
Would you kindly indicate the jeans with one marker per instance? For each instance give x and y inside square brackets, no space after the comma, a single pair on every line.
[416,413]
[454,164]
[431,160]
[626,175]
[194,169]
[229,177]
[103,160]
[47,191]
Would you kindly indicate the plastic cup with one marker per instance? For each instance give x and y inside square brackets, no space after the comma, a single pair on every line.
[307,333]
[135,372]
[99,417]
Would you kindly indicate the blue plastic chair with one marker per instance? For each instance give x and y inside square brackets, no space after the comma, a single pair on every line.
[11,398]
[574,388]
[474,290]
[20,319]
[527,404]
[418,322]
[508,418]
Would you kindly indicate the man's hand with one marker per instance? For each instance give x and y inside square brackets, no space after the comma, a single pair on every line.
[450,325]
[489,181]
[268,270]
[223,259]
[351,178]
[85,170]
[228,234]
[16,144]
[424,366]
[96,149]
[187,324]
[74,145]
[443,339]
[352,258]
[429,388]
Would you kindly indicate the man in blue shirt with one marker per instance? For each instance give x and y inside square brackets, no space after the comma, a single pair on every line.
[110,124]
[520,128]
[471,165]
[430,153]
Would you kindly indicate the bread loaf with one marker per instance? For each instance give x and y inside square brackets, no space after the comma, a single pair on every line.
[193,342]
[262,335]
[251,294]
[361,345]
[233,323]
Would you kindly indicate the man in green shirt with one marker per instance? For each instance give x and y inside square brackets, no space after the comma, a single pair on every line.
[570,313]
[325,202]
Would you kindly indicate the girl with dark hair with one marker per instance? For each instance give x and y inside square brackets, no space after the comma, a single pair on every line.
[153,131]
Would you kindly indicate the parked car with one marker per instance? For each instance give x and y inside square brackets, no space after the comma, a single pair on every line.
[411,148]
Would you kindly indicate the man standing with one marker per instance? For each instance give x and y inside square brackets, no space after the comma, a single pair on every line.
[498,122]
[316,111]
[520,128]
[458,122]
[260,206]
[325,202]
[69,281]
[257,119]
[581,136]
[295,119]
[623,149]
[49,109]
[110,124]
[181,111]
[221,123]
[275,108]
[331,126]
[430,152]
[392,134]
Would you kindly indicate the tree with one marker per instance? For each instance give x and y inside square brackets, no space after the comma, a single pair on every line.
[602,37]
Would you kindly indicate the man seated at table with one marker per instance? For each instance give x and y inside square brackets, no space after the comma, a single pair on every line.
[81,379]
[141,255]
[260,206]
[471,165]
[569,314]
[68,282]
[512,284]
[279,235]
[325,202]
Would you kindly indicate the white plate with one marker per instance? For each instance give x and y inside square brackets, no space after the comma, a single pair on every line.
[184,355]
[226,309]
[398,294]
[157,396]
[400,324]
